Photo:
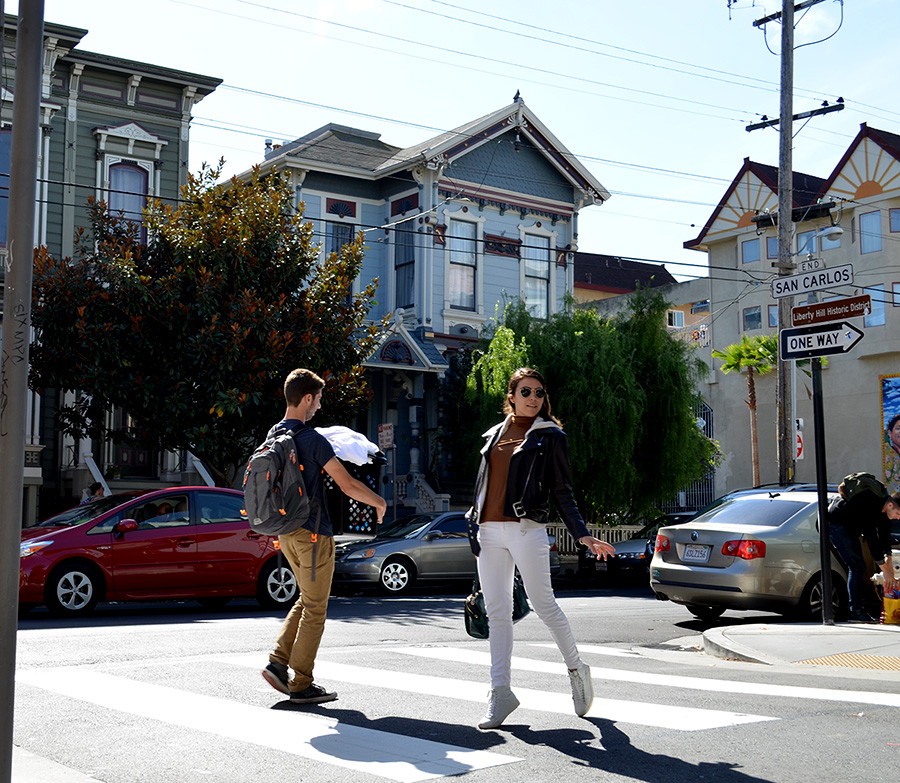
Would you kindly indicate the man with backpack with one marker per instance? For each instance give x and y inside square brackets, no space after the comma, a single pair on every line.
[310,548]
[865,509]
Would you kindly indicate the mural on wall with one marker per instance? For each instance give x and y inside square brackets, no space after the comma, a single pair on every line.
[890,415]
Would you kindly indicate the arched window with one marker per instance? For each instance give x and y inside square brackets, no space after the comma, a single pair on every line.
[128,188]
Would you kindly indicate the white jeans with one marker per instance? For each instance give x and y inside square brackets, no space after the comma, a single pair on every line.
[505,546]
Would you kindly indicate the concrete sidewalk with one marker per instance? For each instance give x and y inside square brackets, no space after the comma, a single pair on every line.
[30,768]
[860,647]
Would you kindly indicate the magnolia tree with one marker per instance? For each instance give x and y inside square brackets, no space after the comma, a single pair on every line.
[194,332]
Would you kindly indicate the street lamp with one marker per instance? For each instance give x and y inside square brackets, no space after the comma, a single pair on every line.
[829,232]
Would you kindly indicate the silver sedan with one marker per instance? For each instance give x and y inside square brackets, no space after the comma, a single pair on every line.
[752,552]
[425,547]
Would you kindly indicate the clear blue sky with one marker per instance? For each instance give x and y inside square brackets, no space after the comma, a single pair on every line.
[652,95]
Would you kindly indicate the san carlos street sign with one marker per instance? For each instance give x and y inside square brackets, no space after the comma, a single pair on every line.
[816,280]
[806,342]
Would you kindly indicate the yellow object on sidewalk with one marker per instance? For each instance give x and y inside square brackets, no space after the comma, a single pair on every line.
[892,611]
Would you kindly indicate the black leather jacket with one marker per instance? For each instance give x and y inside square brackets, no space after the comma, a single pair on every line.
[538,473]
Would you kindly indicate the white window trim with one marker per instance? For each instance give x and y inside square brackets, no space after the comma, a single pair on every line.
[103,175]
[675,317]
[535,229]
[326,222]
[879,233]
[475,317]
[410,224]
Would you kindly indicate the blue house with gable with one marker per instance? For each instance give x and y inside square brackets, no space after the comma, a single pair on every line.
[453,226]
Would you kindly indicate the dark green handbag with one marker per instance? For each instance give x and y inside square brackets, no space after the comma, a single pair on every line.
[476,616]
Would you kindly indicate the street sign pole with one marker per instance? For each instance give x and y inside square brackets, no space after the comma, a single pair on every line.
[14,349]
[822,487]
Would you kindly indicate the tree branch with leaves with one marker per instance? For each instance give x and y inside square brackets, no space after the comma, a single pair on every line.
[194,332]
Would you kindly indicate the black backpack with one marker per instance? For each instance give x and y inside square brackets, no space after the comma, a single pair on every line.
[859,482]
[275,499]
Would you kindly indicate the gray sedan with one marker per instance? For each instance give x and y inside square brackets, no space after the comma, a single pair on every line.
[425,547]
[755,551]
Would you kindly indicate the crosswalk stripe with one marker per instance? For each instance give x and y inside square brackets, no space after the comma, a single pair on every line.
[641,713]
[392,756]
[479,658]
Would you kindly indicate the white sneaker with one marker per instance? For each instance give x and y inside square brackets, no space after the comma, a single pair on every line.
[501,702]
[582,689]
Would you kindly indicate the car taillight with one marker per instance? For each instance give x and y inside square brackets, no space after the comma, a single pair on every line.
[747,550]
[662,544]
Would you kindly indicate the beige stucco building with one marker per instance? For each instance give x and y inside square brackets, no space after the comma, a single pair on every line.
[861,388]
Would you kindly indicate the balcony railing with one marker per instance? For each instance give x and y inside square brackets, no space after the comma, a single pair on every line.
[696,335]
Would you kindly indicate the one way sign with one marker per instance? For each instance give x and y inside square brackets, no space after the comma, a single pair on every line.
[818,340]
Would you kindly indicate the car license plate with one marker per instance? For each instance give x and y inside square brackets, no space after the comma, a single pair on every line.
[695,553]
[600,564]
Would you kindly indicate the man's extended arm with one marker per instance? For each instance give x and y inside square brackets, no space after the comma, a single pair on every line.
[354,488]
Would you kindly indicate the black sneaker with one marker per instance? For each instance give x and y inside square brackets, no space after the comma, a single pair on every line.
[314,694]
[276,674]
[862,616]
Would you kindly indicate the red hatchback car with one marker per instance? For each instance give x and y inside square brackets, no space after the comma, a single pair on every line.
[181,542]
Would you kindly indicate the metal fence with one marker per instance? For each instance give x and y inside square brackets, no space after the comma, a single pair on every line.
[566,544]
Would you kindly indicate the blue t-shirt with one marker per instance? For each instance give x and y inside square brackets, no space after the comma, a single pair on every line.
[314,452]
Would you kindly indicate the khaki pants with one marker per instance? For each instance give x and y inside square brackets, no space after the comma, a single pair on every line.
[301,633]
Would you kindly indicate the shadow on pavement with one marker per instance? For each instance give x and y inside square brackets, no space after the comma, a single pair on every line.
[610,750]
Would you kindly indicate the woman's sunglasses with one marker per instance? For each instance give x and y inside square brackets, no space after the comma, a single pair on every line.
[525,391]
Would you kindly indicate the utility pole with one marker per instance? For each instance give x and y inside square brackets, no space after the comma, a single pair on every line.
[14,351]
[785,413]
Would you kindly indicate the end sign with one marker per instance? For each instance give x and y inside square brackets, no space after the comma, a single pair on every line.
[806,342]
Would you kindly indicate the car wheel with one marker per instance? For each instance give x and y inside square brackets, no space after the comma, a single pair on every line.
[810,606]
[73,589]
[703,612]
[277,585]
[397,576]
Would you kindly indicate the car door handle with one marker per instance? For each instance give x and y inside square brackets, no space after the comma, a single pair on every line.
[185,543]
[253,536]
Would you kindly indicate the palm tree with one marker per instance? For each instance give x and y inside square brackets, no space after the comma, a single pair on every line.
[756,355]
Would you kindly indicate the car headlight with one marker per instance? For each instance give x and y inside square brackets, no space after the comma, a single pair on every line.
[363,554]
[30,547]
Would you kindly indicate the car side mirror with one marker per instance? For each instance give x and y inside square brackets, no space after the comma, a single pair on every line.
[125,526]
[432,536]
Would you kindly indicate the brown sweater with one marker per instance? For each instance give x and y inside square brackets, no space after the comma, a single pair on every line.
[498,462]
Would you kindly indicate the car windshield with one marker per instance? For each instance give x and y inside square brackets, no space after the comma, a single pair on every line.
[770,512]
[407,527]
[79,514]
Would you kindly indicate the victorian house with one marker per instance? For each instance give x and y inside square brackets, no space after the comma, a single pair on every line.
[453,226]
[119,131]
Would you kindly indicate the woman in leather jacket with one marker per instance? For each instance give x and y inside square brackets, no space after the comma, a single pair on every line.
[525,467]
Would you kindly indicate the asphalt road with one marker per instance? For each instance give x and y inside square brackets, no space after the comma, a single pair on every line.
[167,693]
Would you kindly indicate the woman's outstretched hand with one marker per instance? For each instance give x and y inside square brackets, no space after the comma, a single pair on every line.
[598,547]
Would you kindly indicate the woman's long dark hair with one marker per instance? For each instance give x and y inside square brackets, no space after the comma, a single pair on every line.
[515,378]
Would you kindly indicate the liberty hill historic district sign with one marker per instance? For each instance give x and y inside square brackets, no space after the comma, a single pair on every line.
[833,310]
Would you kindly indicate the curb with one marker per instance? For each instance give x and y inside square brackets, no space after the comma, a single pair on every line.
[717,644]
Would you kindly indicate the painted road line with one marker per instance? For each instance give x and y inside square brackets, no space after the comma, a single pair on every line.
[639,713]
[392,756]
[668,680]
